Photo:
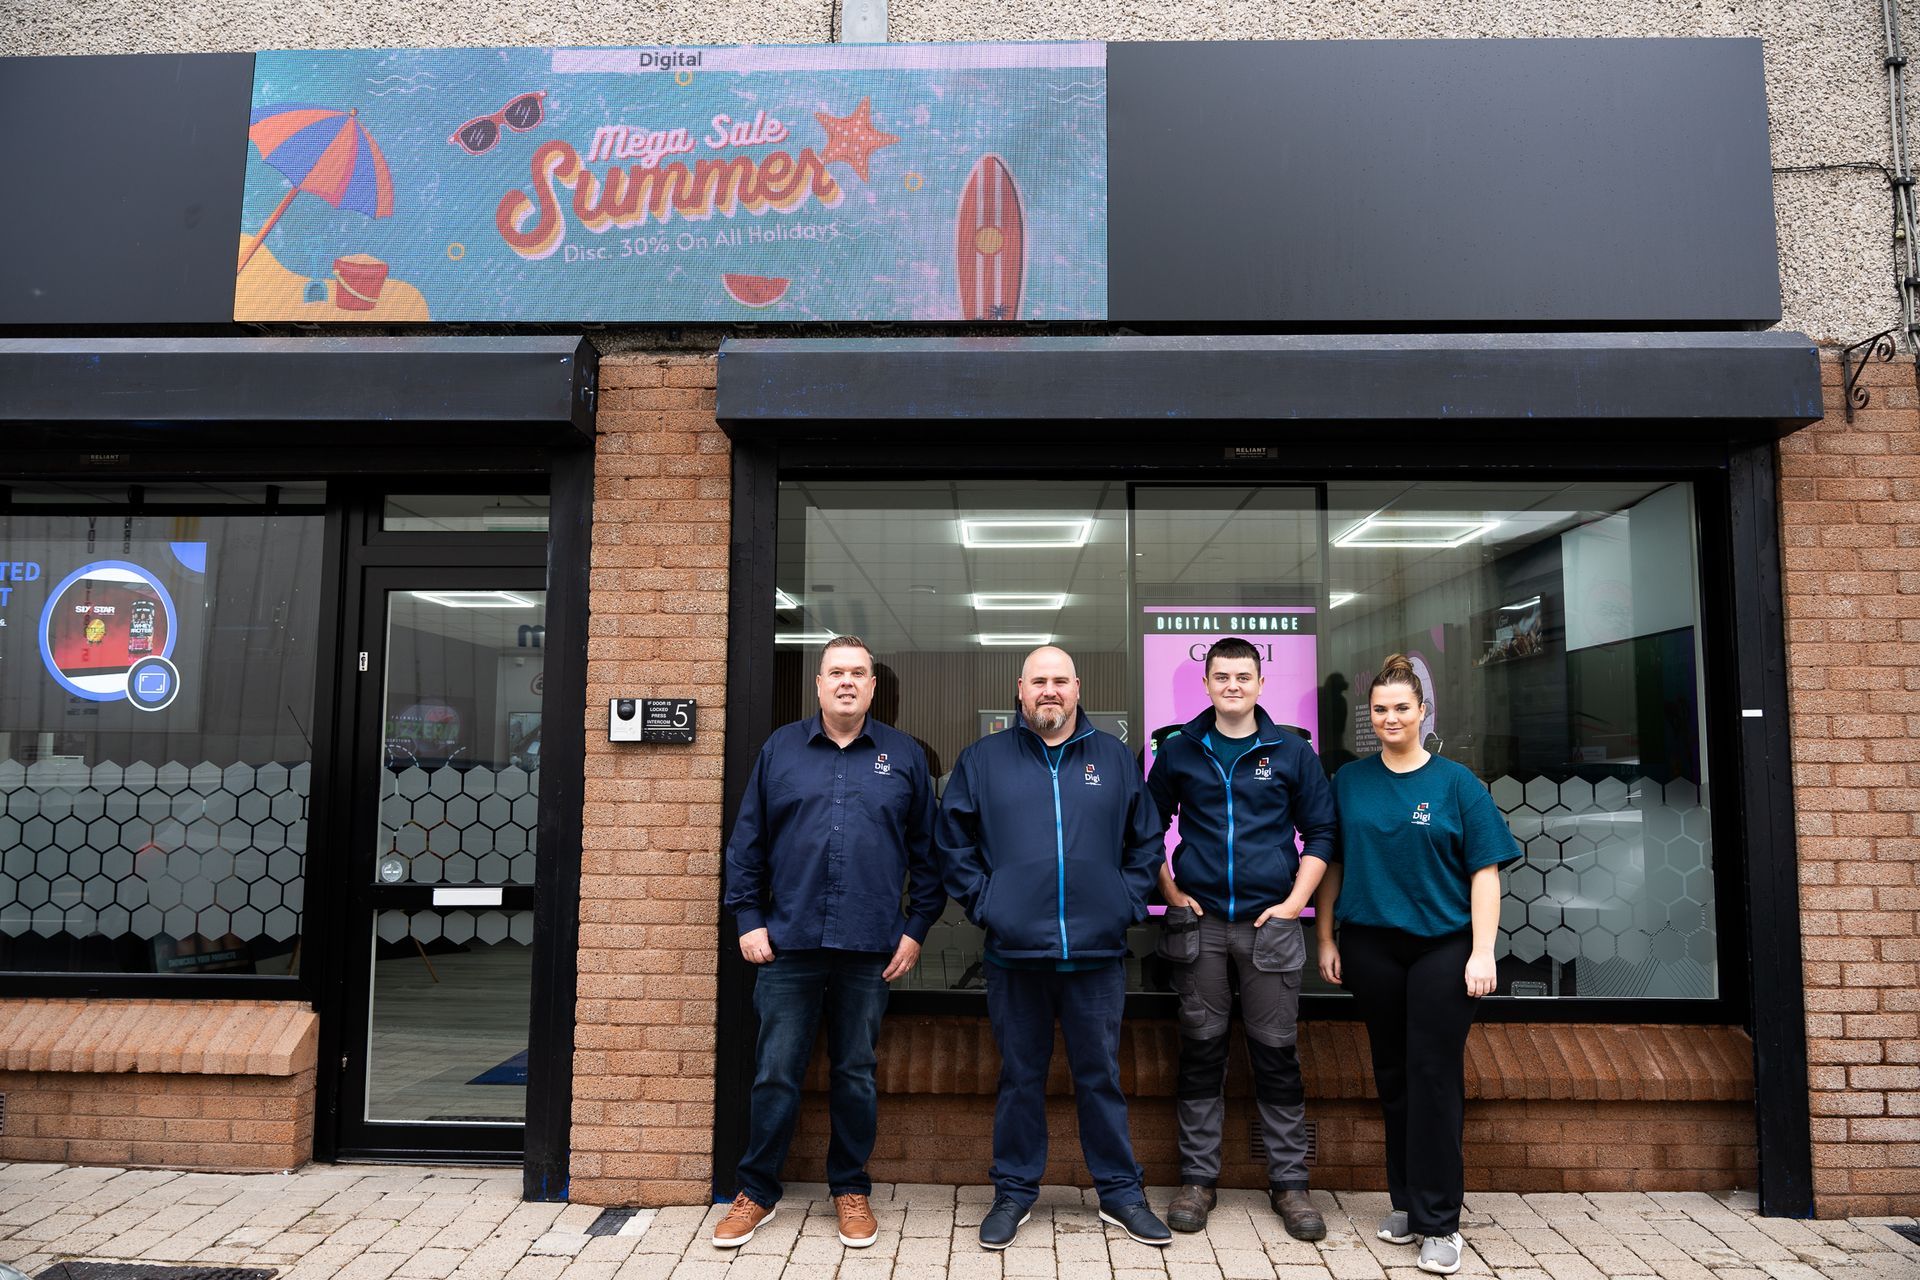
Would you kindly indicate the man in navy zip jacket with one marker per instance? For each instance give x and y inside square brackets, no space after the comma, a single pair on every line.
[1240,786]
[1049,841]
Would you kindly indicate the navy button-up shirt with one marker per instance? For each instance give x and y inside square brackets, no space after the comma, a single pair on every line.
[828,835]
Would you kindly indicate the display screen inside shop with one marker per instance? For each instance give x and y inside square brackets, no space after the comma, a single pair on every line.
[96,634]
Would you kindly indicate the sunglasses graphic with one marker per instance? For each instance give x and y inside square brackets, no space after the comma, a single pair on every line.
[480,134]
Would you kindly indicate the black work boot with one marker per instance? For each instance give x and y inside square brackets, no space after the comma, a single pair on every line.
[1296,1210]
[1188,1212]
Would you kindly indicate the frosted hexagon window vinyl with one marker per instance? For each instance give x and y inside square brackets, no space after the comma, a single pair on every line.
[145,850]
[460,826]
[1616,888]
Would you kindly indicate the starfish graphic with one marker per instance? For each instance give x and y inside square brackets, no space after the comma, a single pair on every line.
[852,138]
[998,311]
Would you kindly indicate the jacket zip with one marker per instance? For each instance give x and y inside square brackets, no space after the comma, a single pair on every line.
[1059,834]
[1226,776]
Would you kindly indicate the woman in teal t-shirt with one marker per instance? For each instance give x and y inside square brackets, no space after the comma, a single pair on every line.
[1415,888]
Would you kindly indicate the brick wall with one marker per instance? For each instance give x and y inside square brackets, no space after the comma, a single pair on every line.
[1551,1107]
[184,1084]
[1512,1144]
[650,865]
[235,1123]
[1850,517]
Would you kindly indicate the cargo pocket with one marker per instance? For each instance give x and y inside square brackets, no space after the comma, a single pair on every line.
[1179,935]
[1279,947]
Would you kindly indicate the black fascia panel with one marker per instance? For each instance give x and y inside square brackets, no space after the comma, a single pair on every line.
[1408,184]
[503,381]
[1728,383]
[125,177]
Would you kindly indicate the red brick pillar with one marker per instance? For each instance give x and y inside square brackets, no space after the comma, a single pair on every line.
[649,886]
[1850,530]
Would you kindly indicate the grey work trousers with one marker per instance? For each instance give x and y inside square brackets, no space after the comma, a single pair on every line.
[1268,964]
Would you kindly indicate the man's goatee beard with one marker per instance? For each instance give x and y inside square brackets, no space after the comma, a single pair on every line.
[1049,717]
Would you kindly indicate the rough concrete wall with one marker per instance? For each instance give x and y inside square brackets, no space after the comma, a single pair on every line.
[1826,86]
[1850,539]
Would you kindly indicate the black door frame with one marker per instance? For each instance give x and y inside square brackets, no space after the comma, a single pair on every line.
[563,553]
[1736,484]
[353,865]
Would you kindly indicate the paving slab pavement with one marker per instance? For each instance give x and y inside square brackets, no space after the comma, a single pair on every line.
[388,1222]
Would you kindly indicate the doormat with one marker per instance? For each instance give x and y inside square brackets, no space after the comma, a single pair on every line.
[512,1071]
[150,1271]
[1908,1233]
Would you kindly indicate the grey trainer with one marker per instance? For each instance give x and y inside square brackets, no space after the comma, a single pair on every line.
[1441,1254]
[1394,1229]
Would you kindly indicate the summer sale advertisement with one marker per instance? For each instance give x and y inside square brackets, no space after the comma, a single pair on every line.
[753,183]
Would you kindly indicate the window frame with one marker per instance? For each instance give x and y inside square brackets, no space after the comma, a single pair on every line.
[86,984]
[1587,456]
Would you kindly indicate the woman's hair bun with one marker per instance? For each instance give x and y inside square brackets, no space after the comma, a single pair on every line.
[1397,668]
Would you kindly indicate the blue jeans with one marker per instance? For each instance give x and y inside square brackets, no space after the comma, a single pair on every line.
[791,994]
[1023,1004]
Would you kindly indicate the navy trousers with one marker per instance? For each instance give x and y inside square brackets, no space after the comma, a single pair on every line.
[1023,1005]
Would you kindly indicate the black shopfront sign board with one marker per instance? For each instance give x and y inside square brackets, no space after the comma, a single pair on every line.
[1292,186]
[1415,184]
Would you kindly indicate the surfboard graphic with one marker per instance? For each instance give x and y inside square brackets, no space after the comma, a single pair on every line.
[991,243]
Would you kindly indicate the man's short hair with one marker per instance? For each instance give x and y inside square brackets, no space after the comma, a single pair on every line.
[847,642]
[1231,648]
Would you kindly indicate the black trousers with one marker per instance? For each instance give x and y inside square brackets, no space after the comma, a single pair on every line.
[1412,992]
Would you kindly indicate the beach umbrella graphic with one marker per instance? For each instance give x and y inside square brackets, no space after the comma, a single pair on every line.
[323,152]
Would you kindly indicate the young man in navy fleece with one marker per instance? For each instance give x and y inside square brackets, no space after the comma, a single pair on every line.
[1240,786]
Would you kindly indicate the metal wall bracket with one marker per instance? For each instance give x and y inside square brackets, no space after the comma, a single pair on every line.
[1878,347]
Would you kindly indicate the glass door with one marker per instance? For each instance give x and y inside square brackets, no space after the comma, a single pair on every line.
[448,783]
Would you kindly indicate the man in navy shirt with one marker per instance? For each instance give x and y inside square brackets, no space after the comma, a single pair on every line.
[1049,841]
[837,817]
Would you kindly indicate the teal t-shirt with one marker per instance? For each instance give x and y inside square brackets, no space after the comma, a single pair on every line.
[1410,843]
[1229,750]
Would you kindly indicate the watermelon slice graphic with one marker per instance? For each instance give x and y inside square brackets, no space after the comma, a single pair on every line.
[755,291]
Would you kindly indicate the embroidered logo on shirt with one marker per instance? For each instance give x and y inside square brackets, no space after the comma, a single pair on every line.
[1092,776]
[1422,814]
[880,764]
[1261,769]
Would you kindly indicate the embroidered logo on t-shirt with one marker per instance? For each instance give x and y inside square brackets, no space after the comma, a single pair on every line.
[880,764]
[1262,770]
[1422,814]
[1092,776]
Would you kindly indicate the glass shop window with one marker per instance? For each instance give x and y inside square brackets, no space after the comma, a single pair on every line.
[156,711]
[1559,624]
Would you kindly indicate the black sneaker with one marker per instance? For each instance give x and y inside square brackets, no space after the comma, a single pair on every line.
[1003,1222]
[1138,1222]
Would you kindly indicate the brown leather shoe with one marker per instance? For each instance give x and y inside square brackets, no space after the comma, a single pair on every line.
[1188,1212]
[742,1220]
[1296,1210]
[857,1227]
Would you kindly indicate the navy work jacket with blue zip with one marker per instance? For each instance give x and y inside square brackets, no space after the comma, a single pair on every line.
[1237,852]
[1052,851]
